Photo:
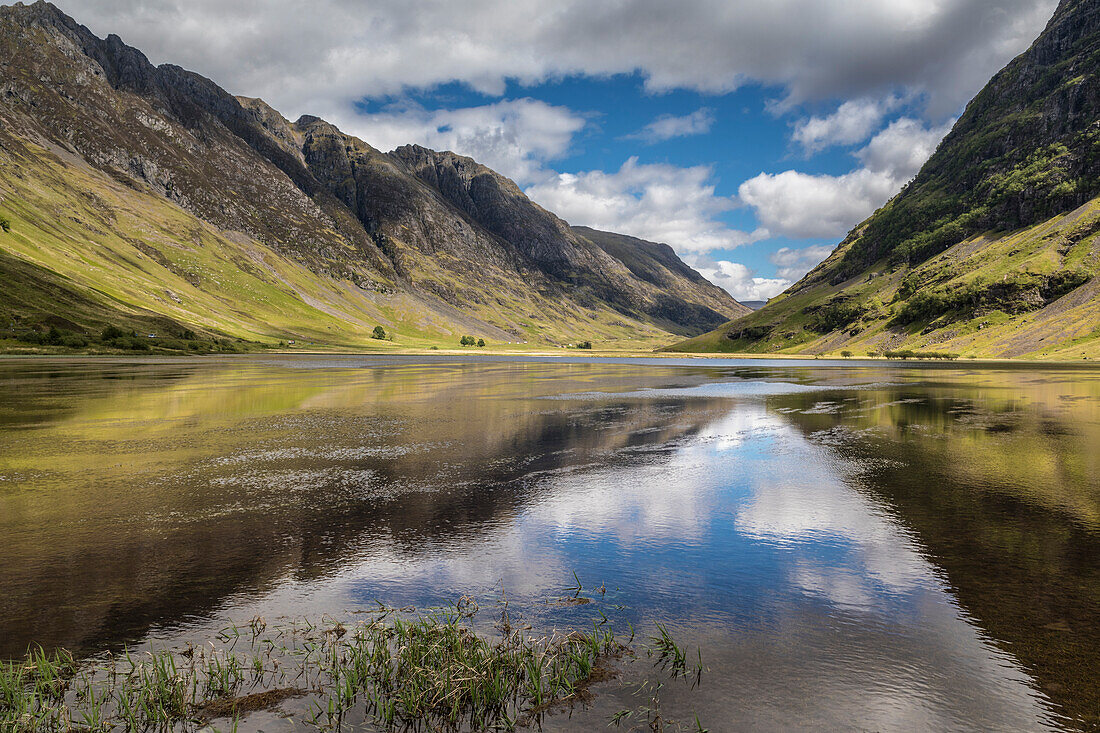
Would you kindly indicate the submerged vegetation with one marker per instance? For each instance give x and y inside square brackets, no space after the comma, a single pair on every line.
[401,670]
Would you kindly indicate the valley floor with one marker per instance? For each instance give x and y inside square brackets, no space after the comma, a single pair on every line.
[15,350]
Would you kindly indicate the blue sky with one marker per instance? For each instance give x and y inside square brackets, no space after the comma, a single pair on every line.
[751,137]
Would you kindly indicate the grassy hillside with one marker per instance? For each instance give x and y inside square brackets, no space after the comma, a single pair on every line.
[990,250]
[1027,148]
[84,250]
[142,195]
[1030,293]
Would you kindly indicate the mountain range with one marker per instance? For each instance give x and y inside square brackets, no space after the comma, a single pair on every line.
[149,198]
[991,250]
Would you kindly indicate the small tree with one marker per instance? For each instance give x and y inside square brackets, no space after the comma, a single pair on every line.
[584,345]
[111,332]
[846,354]
[4,223]
[481,342]
[468,341]
[379,333]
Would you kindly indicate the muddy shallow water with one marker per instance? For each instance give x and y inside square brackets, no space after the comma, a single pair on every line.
[851,546]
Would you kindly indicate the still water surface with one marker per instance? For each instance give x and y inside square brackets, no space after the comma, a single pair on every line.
[865,547]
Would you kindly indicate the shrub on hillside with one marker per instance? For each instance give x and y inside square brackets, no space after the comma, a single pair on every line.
[128,343]
[833,315]
[54,337]
[910,354]
[1017,293]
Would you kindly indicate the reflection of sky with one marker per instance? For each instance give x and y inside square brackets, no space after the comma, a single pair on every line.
[815,603]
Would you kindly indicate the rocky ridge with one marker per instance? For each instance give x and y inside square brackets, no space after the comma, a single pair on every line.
[460,245]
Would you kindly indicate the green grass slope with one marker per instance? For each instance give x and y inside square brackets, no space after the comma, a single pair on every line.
[152,192]
[1030,293]
[990,250]
[85,250]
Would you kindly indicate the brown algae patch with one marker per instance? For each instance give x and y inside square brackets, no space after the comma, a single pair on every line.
[239,707]
[568,602]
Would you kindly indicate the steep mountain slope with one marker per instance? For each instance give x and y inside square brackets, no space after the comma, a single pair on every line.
[152,192]
[991,249]
[680,286]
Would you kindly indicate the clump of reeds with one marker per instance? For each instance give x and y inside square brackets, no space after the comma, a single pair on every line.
[434,669]
[428,670]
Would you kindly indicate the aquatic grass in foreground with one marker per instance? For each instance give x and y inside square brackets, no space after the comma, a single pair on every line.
[428,671]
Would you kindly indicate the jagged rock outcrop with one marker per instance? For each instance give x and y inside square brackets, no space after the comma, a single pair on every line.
[499,205]
[655,263]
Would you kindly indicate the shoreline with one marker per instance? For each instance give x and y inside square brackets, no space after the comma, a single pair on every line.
[571,355]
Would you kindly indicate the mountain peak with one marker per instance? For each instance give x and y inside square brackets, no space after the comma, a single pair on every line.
[309,121]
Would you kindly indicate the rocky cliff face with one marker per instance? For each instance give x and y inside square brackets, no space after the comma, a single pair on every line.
[657,264]
[992,249]
[163,128]
[437,227]
[577,255]
[498,205]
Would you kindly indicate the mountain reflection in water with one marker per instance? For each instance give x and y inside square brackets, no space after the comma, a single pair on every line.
[882,547]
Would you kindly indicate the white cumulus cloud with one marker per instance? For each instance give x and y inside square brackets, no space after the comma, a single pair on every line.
[903,147]
[801,205]
[667,127]
[658,202]
[739,280]
[852,122]
[792,264]
[513,137]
